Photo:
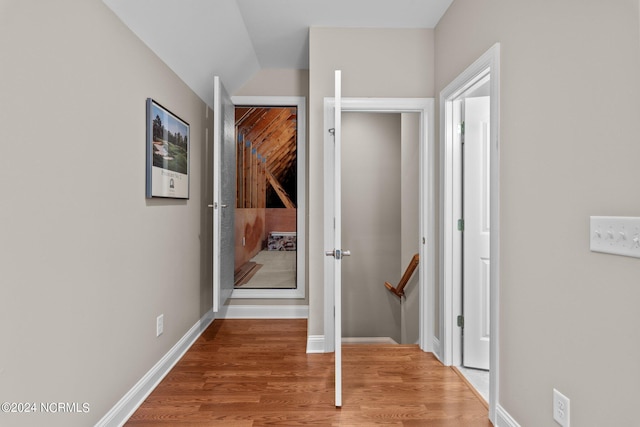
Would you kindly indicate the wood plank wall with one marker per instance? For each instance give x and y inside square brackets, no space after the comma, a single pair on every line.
[250,224]
[280,220]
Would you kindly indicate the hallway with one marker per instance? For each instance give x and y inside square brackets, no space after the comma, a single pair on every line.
[256,372]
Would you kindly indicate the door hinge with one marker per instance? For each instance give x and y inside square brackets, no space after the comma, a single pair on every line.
[461,128]
[332,131]
[461,225]
[461,321]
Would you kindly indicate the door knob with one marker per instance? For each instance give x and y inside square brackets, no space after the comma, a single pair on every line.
[338,253]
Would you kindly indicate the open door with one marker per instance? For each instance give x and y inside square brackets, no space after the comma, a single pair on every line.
[476,259]
[337,253]
[224,163]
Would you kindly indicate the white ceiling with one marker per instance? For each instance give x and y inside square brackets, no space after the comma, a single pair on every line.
[234,39]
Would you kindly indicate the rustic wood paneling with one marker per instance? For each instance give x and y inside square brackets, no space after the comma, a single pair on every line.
[280,220]
[250,224]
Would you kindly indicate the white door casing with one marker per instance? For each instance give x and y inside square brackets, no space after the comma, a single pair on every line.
[487,64]
[224,153]
[427,281]
[476,235]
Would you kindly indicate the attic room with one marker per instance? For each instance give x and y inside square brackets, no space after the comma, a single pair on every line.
[265,217]
[89,263]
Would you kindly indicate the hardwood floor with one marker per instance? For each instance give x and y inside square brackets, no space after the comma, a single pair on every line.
[257,373]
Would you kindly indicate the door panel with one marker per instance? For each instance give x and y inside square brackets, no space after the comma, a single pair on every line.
[224,152]
[337,237]
[333,238]
[476,233]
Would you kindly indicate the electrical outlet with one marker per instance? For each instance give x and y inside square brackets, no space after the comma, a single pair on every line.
[159,325]
[560,408]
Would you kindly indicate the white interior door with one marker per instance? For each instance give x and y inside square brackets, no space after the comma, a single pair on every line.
[224,166]
[337,253]
[476,233]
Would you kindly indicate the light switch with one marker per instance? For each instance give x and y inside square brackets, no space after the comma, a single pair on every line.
[618,235]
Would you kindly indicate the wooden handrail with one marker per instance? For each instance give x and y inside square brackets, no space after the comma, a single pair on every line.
[399,291]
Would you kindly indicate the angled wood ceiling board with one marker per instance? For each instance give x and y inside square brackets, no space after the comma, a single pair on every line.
[267,134]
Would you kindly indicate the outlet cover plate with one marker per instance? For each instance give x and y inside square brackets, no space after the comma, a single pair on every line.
[560,408]
[159,325]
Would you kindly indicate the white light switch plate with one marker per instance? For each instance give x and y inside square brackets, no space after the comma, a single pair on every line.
[618,235]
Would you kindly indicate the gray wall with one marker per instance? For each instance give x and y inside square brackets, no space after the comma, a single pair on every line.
[410,224]
[87,262]
[569,104]
[374,63]
[371,224]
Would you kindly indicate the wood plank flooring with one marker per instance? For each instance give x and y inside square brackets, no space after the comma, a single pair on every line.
[257,373]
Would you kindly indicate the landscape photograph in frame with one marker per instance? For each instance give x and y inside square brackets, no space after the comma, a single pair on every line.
[167,153]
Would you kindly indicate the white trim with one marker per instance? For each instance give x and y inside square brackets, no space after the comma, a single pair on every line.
[437,349]
[216,193]
[488,62]
[427,282]
[300,103]
[368,340]
[127,405]
[264,312]
[504,419]
[315,344]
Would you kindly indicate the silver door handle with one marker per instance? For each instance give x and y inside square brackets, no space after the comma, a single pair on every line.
[338,253]
[215,205]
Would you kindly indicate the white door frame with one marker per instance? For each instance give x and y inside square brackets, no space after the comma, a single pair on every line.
[427,283]
[489,62]
[300,103]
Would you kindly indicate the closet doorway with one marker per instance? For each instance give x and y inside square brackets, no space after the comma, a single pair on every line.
[269,201]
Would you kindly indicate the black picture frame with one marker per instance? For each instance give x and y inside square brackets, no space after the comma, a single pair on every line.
[168,147]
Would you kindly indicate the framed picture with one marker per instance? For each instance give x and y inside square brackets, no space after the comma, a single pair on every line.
[167,153]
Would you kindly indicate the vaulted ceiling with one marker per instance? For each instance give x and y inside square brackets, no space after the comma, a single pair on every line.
[234,39]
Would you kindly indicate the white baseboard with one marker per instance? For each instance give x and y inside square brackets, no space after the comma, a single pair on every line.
[122,410]
[503,419]
[315,344]
[368,340]
[264,312]
[436,349]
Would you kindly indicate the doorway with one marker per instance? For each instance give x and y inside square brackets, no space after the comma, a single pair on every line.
[380,223]
[469,292]
[426,278]
[266,197]
[471,121]
[270,196]
[334,107]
